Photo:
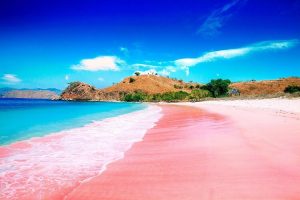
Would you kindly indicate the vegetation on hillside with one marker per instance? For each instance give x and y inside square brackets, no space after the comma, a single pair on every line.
[292,89]
[195,95]
[74,84]
[217,87]
[131,80]
[198,94]
[139,96]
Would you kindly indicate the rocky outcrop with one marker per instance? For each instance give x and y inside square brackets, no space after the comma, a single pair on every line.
[79,91]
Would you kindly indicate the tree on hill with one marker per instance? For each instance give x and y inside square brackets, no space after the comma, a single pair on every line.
[137,73]
[199,94]
[131,80]
[292,89]
[218,87]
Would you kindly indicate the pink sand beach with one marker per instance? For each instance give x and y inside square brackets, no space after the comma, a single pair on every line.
[210,152]
[194,151]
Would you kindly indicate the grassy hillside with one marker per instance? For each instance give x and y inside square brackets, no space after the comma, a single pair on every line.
[155,88]
[150,84]
[267,87]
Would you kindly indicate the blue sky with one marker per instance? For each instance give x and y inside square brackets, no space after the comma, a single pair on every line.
[50,43]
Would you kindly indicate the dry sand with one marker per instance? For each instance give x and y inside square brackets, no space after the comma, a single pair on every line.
[246,149]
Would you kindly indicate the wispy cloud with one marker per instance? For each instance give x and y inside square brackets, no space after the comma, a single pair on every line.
[100,63]
[67,77]
[142,65]
[218,18]
[185,63]
[11,79]
[166,68]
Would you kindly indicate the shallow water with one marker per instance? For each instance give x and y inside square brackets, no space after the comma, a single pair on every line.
[26,118]
[51,166]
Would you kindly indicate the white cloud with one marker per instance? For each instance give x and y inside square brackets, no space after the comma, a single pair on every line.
[11,79]
[67,77]
[100,79]
[218,17]
[150,71]
[138,65]
[100,63]
[167,70]
[232,53]
[164,70]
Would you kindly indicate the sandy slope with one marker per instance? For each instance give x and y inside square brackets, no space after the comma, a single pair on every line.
[215,152]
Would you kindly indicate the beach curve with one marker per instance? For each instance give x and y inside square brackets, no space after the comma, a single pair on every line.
[206,153]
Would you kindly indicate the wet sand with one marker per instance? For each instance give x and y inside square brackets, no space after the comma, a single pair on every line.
[214,152]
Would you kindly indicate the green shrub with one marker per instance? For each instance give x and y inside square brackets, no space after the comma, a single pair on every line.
[217,87]
[131,80]
[177,86]
[137,73]
[173,96]
[155,97]
[181,95]
[292,89]
[199,94]
[135,97]
[72,85]
[168,96]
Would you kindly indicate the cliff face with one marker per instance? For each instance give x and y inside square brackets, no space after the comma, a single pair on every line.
[30,94]
[150,84]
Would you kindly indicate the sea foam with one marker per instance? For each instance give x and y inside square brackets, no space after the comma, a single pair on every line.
[53,165]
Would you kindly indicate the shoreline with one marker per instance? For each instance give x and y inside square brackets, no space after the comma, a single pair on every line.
[53,165]
[208,152]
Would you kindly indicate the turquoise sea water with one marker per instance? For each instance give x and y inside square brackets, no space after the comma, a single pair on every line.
[26,118]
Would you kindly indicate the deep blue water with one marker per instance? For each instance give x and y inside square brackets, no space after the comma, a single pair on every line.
[25,118]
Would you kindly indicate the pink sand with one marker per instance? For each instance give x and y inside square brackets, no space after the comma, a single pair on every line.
[194,154]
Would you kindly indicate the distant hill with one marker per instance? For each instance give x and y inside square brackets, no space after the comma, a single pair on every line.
[149,84]
[38,93]
[267,87]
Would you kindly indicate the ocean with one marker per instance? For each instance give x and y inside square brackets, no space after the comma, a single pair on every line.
[49,147]
[26,118]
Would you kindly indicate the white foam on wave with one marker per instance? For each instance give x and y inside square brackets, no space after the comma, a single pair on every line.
[62,160]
